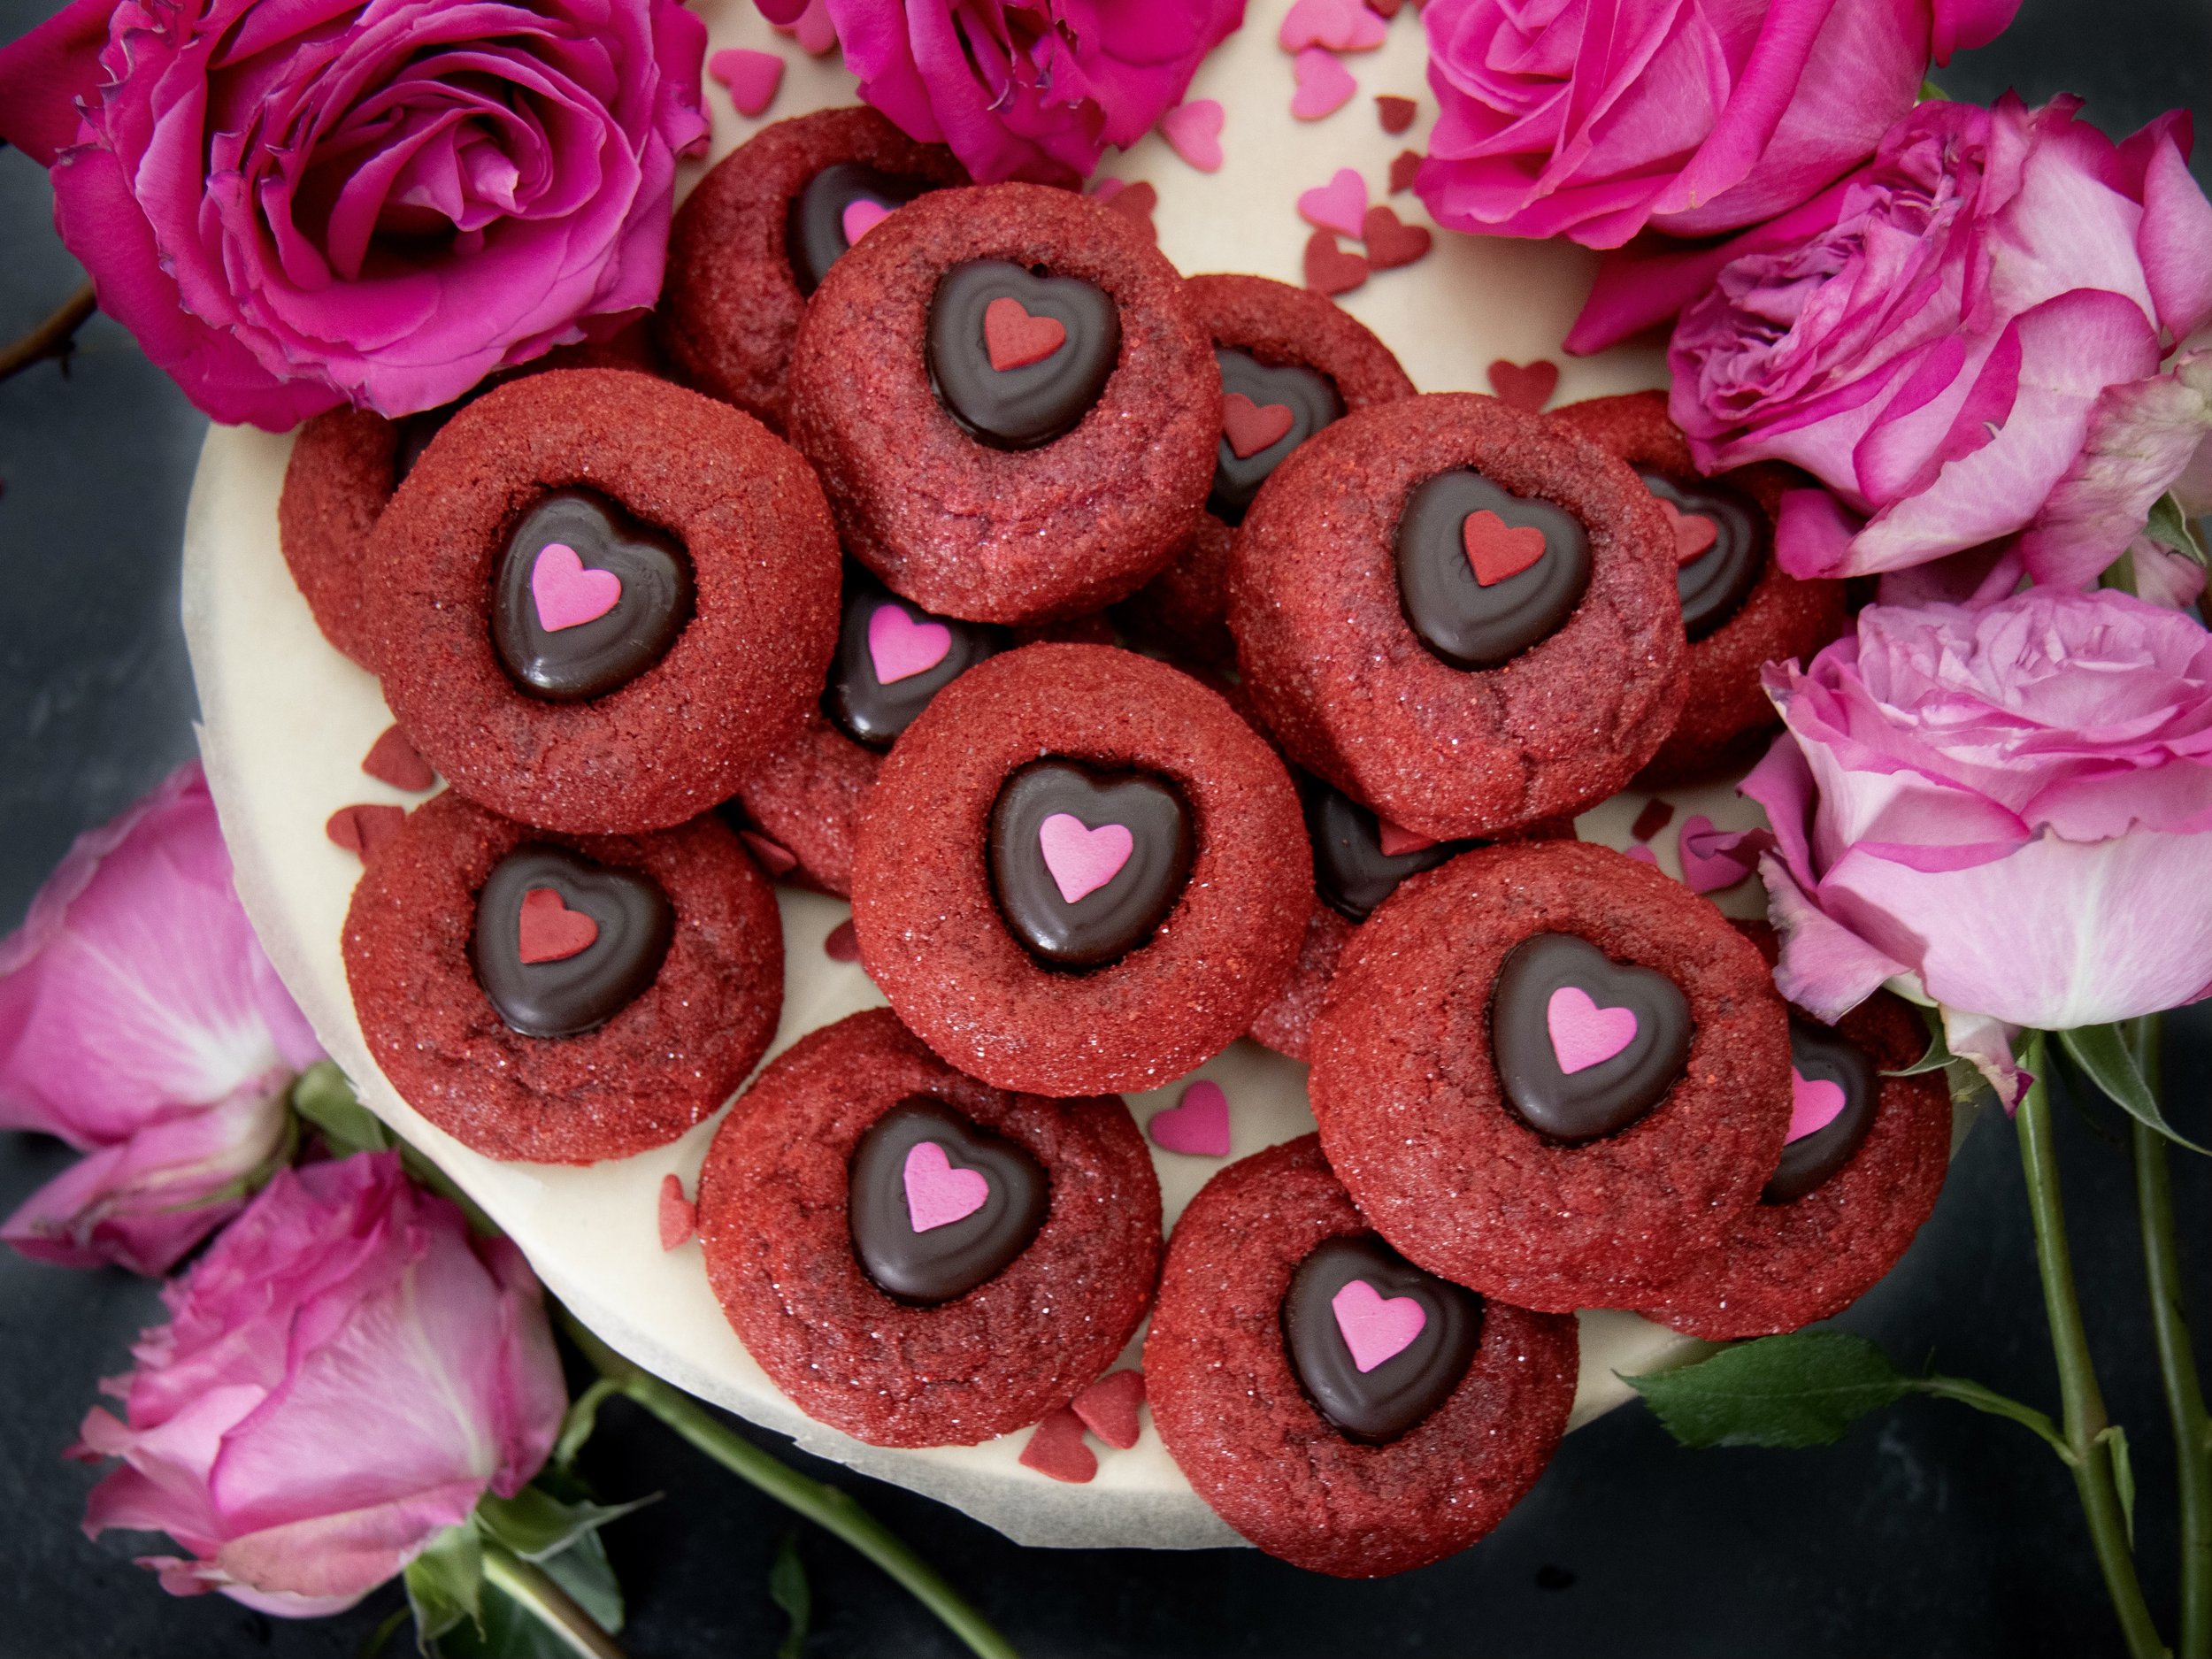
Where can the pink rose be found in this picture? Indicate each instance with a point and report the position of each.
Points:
(343, 1375)
(1593, 119)
(295, 205)
(1024, 88)
(1962, 341)
(140, 1022)
(2010, 804)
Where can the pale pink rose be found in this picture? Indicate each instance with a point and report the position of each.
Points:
(1594, 118)
(344, 1374)
(2011, 804)
(140, 1023)
(1024, 88)
(1962, 341)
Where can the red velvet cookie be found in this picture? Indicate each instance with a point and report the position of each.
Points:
(751, 242)
(1080, 871)
(1460, 613)
(1548, 1072)
(918, 1258)
(1292, 361)
(601, 600)
(557, 998)
(1010, 402)
(1740, 609)
(1276, 1399)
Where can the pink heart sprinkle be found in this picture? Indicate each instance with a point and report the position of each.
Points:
(1814, 1103)
(1082, 859)
(1643, 855)
(565, 594)
(1198, 1123)
(861, 217)
(1193, 131)
(1325, 86)
(679, 1217)
(937, 1194)
(1343, 25)
(901, 647)
(1376, 1328)
(1713, 859)
(752, 77)
(1397, 840)
(1582, 1034)
(1339, 204)
(816, 34)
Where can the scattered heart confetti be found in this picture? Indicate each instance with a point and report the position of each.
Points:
(1196, 1125)
(1527, 386)
(1081, 859)
(1108, 1408)
(1342, 25)
(1375, 1327)
(361, 830)
(1643, 855)
(1397, 840)
(1713, 859)
(1582, 1034)
(678, 1216)
(1193, 131)
(937, 1194)
(776, 859)
(1250, 427)
(1497, 550)
(1325, 85)
(1385, 8)
(1016, 338)
(1391, 242)
(1131, 200)
(1056, 1448)
(1339, 204)
(549, 930)
(1694, 531)
(1815, 1103)
(812, 26)
(842, 943)
(1655, 816)
(1404, 167)
(860, 217)
(392, 759)
(566, 593)
(900, 648)
(1395, 113)
(1330, 269)
(752, 77)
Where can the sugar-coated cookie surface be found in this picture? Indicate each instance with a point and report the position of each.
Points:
(336, 485)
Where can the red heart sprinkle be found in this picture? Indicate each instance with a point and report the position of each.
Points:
(1249, 426)
(1390, 244)
(550, 930)
(1385, 8)
(679, 1217)
(1395, 113)
(1135, 202)
(1498, 549)
(392, 759)
(1056, 1448)
(1329, 269)
(843, 944)
(1108, 1408)
(361, 830)
(1527, 386)
(1015, 338)
(1694, 531)
(1657, 815)
(1403, 166)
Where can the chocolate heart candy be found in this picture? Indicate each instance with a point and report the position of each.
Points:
(1713, 583)
(581, 991)
(814, 226)
(1463, 620)
(1085, 863)
(1819, 1056)
(1035, 399)
(1351, 871)
(1381, 1403)
(951, 1258)
(873, 709)
(1310, 396)
(569, 663)
(1583, 1045)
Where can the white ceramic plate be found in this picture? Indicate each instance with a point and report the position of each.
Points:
(288, 720)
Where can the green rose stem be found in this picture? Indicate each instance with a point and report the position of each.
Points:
(832, 1510)
(2177, 1364)
(2083, 1420)
(533, 1588)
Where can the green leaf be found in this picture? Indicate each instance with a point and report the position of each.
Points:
(1930, 93)
(1804, 1389)
(2170, 528)
(1939, 1055)
(788, 1589)
(324, 1099)
(537, 1525)
(445, 1584)
(582, 1418)
(2123, 1472)
(2104, 1057)
(510, 1630)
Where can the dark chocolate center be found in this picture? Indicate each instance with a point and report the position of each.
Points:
(883, 634)
(921, 1161)
(600, 940)
(1483, 573)
(1584, 1046)
(1271, 393)
(1018, 357)
(1715, 583)
(1087, 863)
(572, 550)
(1395, 1392)
(1822, 1056)
(814, 228)
(1351, 871)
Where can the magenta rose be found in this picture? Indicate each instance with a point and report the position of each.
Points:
(295, 205)
(344, 1374)
(140, 1023)
(2008, 807)
(1024, 88)
(1964, 340)
(1593, 118)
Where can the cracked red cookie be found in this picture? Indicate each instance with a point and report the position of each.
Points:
(558, 998)
(1283, 1396)
(751, 242)
(1292, 361)
(1054, 397)
(601, 600)
(1079, 870)
(1549, 1073)
(1740, 609)
(1460, 613)
(918, 1258)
